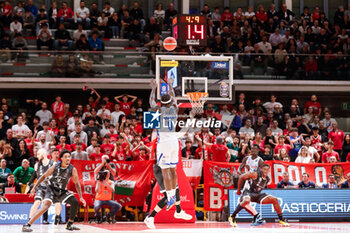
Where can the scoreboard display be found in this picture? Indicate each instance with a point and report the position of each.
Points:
(190, 30)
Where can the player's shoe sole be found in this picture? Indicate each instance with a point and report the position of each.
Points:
(149, 223)
(284, 224)
(182, 215)
(232, 222)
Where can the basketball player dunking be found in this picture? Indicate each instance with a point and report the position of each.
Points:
(57, 191)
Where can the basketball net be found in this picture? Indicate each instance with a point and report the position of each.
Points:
(197, 100)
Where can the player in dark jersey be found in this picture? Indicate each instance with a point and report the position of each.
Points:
(56, 191)
(251, 163)
(259, 181)
(40, 168)
(179, 213)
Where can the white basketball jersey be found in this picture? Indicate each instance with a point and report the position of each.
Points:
(253, 167)
(253, 163)
(167, 132)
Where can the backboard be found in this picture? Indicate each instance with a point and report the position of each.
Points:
(211, 74)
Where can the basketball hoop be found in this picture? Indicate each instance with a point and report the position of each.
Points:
(197, 100)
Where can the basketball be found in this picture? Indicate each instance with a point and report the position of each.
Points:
(170, 43)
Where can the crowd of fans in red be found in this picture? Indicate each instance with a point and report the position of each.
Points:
(114, 127)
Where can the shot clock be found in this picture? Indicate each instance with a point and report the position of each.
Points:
(190, 30)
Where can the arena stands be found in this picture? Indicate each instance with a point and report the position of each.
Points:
(271, 43)
(115, 124)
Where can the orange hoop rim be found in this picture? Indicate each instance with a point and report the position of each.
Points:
(196, 96)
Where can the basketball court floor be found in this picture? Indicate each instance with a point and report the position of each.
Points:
(199, 227)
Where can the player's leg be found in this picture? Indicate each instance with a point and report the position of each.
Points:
(164, 162)
(257, 220)
(167, 180)
(34, 208)
(39, 196)
(179, 213)
(174, 159)
(274, 201)
(45, 218)
(245, 200)
(249, 208)
(58, 209)
(44, 207)
(173, 178)
(149, 220)
(173, 182)
(74, 208)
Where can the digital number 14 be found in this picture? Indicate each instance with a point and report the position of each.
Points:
(197, 29)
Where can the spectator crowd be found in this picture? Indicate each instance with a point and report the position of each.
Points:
(297, 47)
(114, 127)
(311, 46)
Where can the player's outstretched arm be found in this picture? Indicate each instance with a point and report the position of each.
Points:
(172, 92)
(75, 178)
(152, 97)
(245, 176)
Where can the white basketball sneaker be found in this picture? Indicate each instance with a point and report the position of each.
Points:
(149, 221)
(182, 215)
